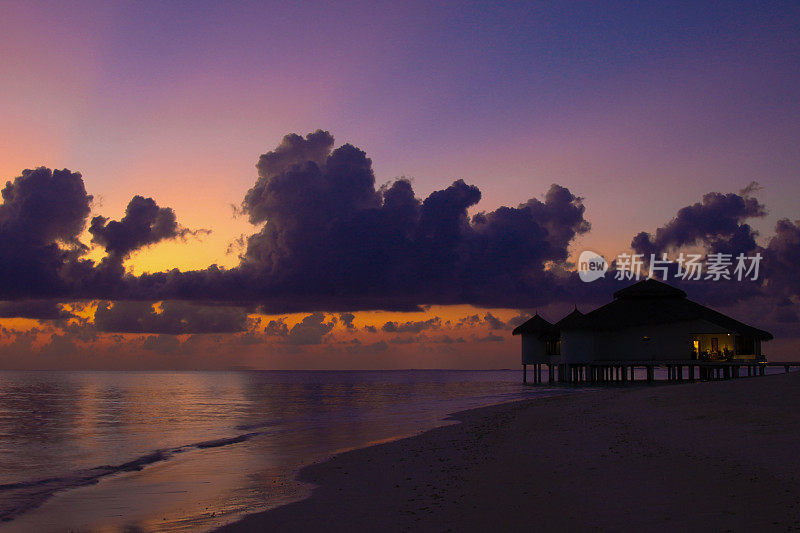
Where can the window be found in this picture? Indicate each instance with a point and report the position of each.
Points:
(745, 345)
(553, 347)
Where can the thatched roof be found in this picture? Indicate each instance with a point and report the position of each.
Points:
(650, 288)
(654, 302)
(533, 325)
(574, 320)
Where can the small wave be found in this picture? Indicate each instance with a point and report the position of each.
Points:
(225, 442)
(23, 496)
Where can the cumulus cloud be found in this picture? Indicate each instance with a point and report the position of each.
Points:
(144, 223)
(468, 321)
(412, 326)
(311, 330)
(347, 321)
(41, 217)
(782, 259)
(277, 328)
(169, 317)
(328, 240)
(495, 323)
(717, 222)
(331, 240)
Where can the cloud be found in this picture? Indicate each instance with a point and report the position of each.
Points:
(468, 321)
(357, 347)
(443, 339)
(144, 223)
(782, 259)
(161, 343)
(347, 321)
(277, 328)
(328, 240)
(412, 326)
(169, 317)
(491, 337)
(311, 330)
(41, 217)
(34, 309)
(404, 339)
(517, 320)
(494, 322)
(716, 222)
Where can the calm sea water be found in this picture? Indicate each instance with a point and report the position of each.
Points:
(180, 451)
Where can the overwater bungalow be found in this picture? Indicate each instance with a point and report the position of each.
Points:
(647, 321)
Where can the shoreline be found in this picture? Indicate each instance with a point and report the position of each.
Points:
(710, 455)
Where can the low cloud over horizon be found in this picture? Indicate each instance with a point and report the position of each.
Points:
(330, 243)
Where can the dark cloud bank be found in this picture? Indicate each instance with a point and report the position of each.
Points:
(329, 240)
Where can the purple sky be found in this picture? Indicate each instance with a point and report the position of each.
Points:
(639, 108)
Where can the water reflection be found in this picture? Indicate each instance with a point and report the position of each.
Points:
(70, 427)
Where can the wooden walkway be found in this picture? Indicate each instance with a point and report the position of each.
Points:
(604, 372)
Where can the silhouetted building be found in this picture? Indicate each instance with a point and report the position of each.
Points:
(648, 321)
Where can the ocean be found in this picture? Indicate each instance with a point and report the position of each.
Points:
(190, 451)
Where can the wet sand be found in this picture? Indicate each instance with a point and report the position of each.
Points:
(715, 456)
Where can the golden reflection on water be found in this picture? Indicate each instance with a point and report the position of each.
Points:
(54, 424)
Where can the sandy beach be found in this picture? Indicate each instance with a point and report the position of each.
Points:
(712, 456)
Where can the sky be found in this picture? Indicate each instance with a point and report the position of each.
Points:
(634, 110)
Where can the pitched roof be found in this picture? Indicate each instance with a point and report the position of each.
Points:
(535, 324)
(574, 320)
(654, 302)
(650, 288)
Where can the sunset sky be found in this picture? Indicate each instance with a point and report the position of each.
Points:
(635, 110)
